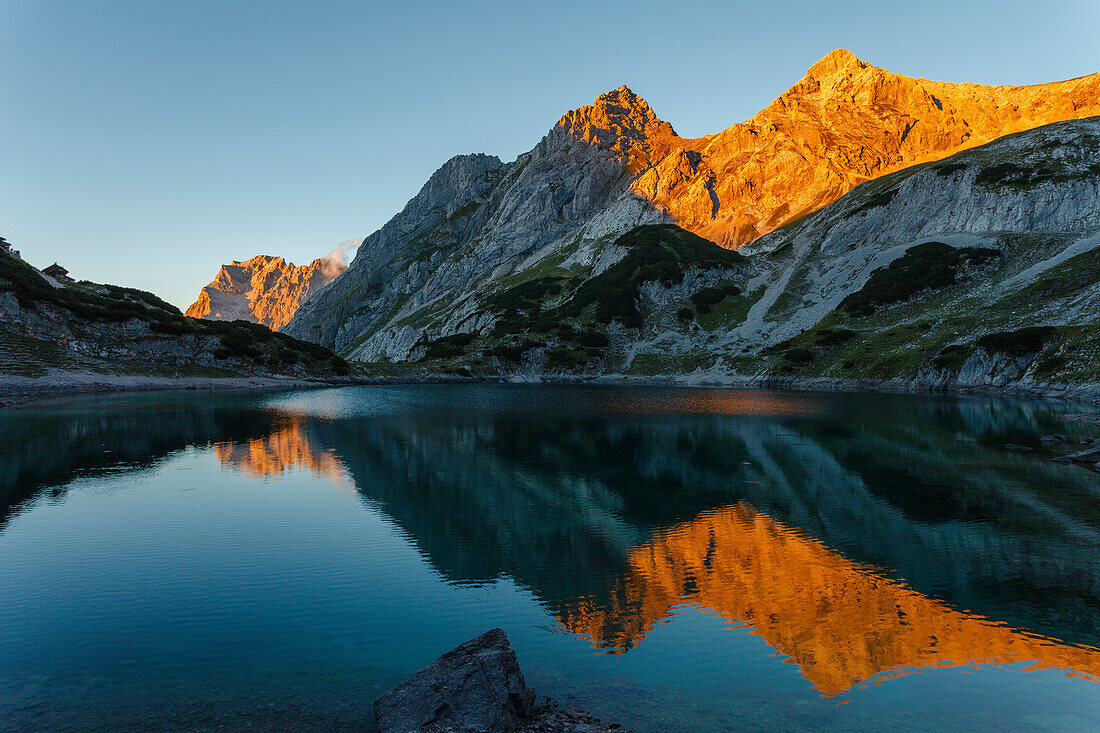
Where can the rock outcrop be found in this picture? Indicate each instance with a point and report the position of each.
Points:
(263, 289)
(479, 225)
(477, 687)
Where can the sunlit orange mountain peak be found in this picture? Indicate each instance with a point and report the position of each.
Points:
(622, 122)
(840, 621)
(263, 289)
(845, 122)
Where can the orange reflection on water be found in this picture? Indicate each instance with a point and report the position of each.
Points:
(839, 621)
(277, 453)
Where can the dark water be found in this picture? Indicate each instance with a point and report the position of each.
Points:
(676, 559)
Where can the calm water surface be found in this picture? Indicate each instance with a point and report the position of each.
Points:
(676, 559)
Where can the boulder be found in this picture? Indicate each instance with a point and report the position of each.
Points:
(1090, 455)
(475, 688)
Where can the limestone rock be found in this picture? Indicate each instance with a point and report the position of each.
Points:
(475, 688)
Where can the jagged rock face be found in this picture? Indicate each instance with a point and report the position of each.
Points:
(479, 225)
(843, 123)
(263, 289)
(394, 264)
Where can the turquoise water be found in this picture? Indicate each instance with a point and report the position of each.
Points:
(674, 559)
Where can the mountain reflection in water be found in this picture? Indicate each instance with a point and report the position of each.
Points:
(278, 452)
(860, 536)
(841, 622)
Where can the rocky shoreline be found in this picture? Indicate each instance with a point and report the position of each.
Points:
(16, 390)
(1085, 393)
(21, 390)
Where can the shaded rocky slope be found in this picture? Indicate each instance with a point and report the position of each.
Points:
(46, 326)
(479, 225)
(263, 289)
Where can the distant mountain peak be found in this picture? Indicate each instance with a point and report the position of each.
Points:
(264, 289)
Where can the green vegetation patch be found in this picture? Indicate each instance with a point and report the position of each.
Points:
(653, 364)
(448, 347)
(706, 298)
(521, 307)
(1065, 279)
(514, 352)
(832, 336)
(566, 359)
(945, 170)
(1018, 343)
(661, 253)
(876, 200)
(798, 355)
(952, 357)
(91, 302)
(925, 266)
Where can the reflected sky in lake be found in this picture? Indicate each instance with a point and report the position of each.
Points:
(679, 559)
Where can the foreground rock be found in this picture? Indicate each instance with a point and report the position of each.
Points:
(477, 687)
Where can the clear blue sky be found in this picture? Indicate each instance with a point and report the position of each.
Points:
(145, 143)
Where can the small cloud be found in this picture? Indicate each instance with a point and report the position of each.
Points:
(344, 252)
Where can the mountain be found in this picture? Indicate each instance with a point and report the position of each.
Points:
(981, 269)
(479, 227)
(263, 289)
(47, 327)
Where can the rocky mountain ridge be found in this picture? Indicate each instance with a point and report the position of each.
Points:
(845, 122)
(480, 226)
(979, 270)
(263, 289)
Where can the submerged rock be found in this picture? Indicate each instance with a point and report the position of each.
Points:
(477, 687)
(1090, 455)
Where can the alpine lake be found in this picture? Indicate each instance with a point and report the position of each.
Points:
(674, 559)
